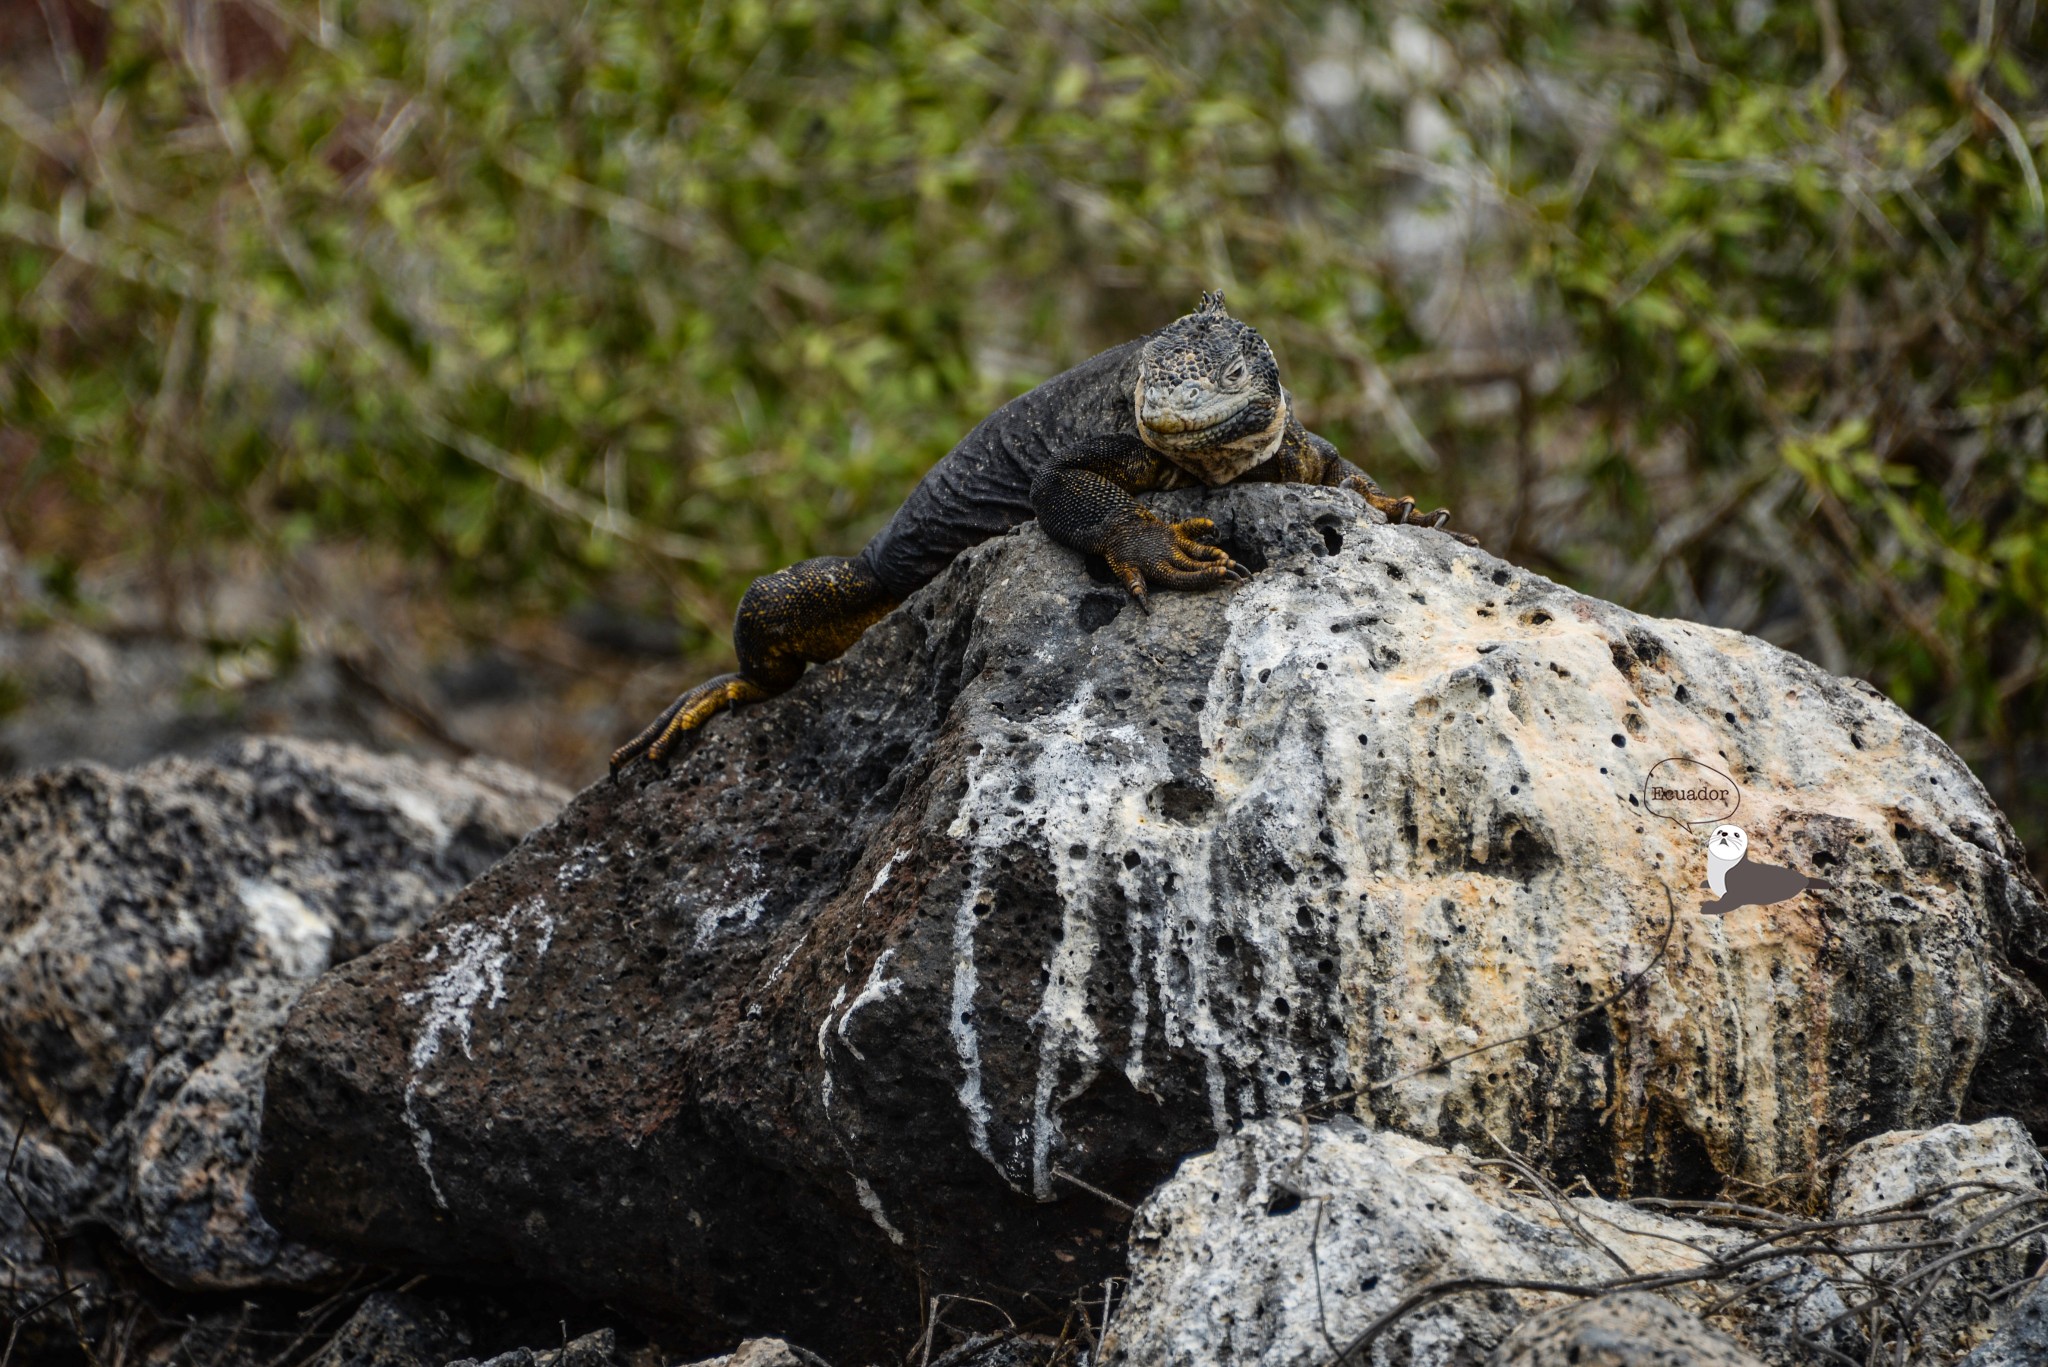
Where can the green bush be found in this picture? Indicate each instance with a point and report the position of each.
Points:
(1727, 310)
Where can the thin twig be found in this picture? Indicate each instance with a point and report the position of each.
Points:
(1124, 1206)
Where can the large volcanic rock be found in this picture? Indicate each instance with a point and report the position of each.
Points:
(154, 927)
(1034, 890)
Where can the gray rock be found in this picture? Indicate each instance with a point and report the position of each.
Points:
(598, 1349)
(1285, 1244)
(764, 1353)
(391, 1329)
(155, 926)
(49, 1288)
(1628, 1329)
(1032, 890)
(1982, 1185)
(2022, 1340)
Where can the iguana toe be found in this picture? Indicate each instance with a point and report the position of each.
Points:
(1401, 511)
(685, 715)
(1150, 550)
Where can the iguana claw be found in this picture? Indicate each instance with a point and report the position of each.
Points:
(1147, 549)
(1401, 511)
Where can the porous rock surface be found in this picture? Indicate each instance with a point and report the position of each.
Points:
(1285, 1244)
(392, 1329)
(155, 925)
(1032, 889)
(1982, 1185)
(763, 1353)
(2021, 1339)
(1627, 1329)
(596, 1349)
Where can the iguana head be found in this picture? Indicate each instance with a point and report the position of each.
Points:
(1209, 396)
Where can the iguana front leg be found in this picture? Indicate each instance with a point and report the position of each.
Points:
(1305, 458)
(794, 618)
(1083, 500)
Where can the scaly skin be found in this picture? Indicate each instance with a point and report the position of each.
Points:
(1197, 402)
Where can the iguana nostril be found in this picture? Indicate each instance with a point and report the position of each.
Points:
(1191, 393)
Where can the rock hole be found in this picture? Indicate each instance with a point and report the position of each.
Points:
(1500, 576)
(1183, 800)
(1333, 540)
(1098, 610)
(1244, 553)
(1130, 859)
(1283, 1201)
(1537, 618)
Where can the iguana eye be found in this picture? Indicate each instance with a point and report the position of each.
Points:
(1235, 375)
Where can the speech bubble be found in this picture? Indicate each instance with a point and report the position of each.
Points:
(1690, 793)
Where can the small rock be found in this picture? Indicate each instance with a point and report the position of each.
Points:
(391, 1329)
(1946, 1299)
(1282, 1246)
(1628, 1329)
(2022, 1341)
(598, 1349)
(765, 1353)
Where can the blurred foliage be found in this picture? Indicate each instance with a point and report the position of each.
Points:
(1721, 308)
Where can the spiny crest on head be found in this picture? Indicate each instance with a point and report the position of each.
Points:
(1212, 302)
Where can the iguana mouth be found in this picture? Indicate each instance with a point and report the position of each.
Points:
(1175, 418)
(1217, 440)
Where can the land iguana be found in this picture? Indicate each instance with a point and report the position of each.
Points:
(1198, 401)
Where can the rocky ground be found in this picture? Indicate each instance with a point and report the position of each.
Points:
(1289, 975)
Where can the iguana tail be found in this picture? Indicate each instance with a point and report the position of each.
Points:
(789, 620)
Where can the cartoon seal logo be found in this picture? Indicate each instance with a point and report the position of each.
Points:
(1739, 883)
(1692, 794)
